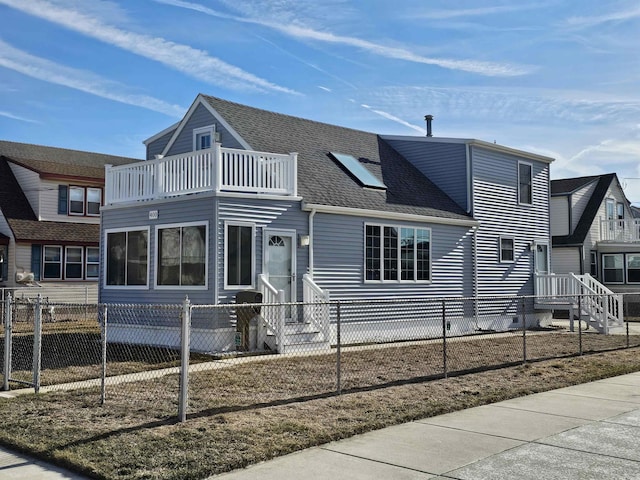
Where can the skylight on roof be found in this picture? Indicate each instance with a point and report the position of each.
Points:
(355, 168)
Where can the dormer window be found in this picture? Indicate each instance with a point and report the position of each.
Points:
(203, 137)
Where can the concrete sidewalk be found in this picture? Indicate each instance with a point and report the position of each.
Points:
(589, 431)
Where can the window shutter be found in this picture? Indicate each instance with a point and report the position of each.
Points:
(63, 199)
(36, 260)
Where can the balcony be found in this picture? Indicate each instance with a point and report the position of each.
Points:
(214, 170)
(620, 231)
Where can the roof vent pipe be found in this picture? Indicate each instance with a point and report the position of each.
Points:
(429, 119)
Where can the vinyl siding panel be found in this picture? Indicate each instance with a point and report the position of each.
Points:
(566, 260)
(339, 260)
(275, 214)
(560, 216)
(495, 193)
(157, 146)
(30, 183)
(445, 164)
(201, 117)
(579, 202)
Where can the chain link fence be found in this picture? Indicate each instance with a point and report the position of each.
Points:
(192, 359)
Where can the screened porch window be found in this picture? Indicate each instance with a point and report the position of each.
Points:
(397, 253)
(239, 255)
(182, 255)
(127, 258)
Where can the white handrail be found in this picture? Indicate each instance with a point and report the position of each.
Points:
(316, 305)
(274, 317)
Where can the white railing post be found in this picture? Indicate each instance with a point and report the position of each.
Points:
(293, 172)
(217, 163)
(185, 347)
(8, 327)
(280, 321)
(37, 343)
(108, 184)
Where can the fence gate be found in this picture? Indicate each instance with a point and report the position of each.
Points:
(21, 342)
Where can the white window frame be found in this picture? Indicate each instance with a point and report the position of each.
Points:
(604, 255)
(206, 255)
(87, 263)
(501, 250)
(626, 268)
(227, 286)
(44, 262)
(399, 280)
(593, 263)
(86, 194)
(199, 132)
(530, 165)
(106, 259)
(84, 201)
(66, 262)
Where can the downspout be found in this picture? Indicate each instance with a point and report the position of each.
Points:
(469, 179)
(216, 233)
(311, 215)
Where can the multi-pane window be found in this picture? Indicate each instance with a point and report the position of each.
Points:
(73, 263)
(127, 258)
(525, 179)
(92, 267)
(203, 138)
(397, 253)
(239, 255)
(52, 263)
(507, 249)
(613, 268)
(182, 255)
(83, 200)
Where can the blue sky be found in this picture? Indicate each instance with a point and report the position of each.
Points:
(558, 77)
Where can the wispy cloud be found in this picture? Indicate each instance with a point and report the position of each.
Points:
(473, 12)
(591, 21)
(324, 88)
(190, 61)
(393, 118)
(48, 71)
(16, 117)
(295, 30)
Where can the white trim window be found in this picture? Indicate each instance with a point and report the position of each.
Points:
(181, 259)
(127, 258)
(76, 200)
(507, 250)
(525, 183)
(52, 262)
(92, 263)
(239, 255)
(94, 200)
(73, 263)
(203, 137)
(84, 201)
(633, 267)
(613, 268)
(397, 254)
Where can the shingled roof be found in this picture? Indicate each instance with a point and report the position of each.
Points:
(321, 181)
(590, 211)
(53, 161)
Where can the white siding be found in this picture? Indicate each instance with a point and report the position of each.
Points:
(565, 260)
(579, 202)
(30, 183)
(560, 216)
(23, 257)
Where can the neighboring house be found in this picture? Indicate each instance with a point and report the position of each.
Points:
(236, 198)
(50, 200)
(594, 231)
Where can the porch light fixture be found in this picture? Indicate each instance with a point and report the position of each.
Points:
(304, 240)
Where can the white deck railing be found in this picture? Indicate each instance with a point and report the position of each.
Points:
(316, 305)
(620, 230)
(217, 169)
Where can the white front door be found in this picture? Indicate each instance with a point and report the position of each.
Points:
(280, 261)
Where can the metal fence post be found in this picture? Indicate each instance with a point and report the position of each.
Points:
(185, 345)
(8, 327)
(338, 351)
(444, 338)
(524, 331)
(626, 309)
(580, 324)
(37, 343)
(103, 380)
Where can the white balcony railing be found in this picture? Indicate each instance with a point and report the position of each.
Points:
(626, 230)
(217, 169)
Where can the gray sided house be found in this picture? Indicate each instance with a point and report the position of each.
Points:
(50, 200)
(595, 232)
(235, 198)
